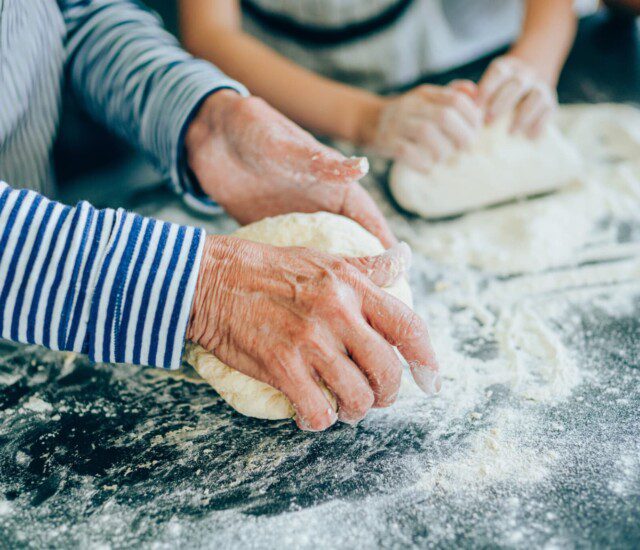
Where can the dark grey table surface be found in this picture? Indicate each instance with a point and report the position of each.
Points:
(104, 456)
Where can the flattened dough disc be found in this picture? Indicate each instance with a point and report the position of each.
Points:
(499, 167)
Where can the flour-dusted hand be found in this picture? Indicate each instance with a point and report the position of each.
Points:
(255, 163)
(510, 84)
(428, 124)
(292, 317)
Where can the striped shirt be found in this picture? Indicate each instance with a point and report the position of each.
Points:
(107, 283)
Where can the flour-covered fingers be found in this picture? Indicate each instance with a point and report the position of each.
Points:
(456, 127)
(350, 386)
(460, 95)
(403, 328)
(506, 98)
(540, 123)
(377, 359)
(494, 78)
(361, 208)
(327, 166)
(418, 158)
(314, 412)
(384, 270)
(453, 111)
(432, 139)
(527, 111)
(467, 87)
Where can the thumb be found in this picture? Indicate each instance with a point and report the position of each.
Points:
(384, 270)
(465, 86)
(335, 168)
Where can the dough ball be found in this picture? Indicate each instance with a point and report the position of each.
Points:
(499, 167)
(321, 231)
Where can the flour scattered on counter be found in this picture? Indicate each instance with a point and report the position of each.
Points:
(38, 405)
(494, 455)
(5, 508)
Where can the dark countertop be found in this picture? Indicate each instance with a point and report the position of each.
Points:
(99, 456)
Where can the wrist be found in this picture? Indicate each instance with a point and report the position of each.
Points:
(213, 254)
(547, 70)
(366, 119)
(210, 116)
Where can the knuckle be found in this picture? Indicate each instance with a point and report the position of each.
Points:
(411, 326)
(449, 96)
(332, 290)
(402, 150)
(389, 378)
(308, 335)
(279, 358)
(459, 101)
(340, 269)
(251, 104)
(446, 116)
(522, 80)
(364, 402)
(361, 403)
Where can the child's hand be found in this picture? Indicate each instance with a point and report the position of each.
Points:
(511, 84)
(428, 124)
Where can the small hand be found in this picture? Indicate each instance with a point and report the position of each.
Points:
(256, 163)
(428, 124)
(292, 317)
(511, 84)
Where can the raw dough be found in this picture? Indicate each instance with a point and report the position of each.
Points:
(499, 167)
(322, 231)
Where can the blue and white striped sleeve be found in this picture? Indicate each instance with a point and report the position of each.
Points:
(132, 75)
(107, 283)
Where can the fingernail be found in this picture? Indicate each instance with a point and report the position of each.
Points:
(304, 425)
(351, 422)
(361, 164)
(406, 254)
(429, 381)
(402, 253)
(396, 261)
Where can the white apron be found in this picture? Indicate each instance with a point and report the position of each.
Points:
(382, 44)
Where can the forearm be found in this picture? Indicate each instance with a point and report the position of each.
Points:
(319, 104)
(107, 283)
(548, 31)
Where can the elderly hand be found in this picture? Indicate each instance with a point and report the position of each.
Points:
(511, 84)
(255, 163)
(291, 317)
(428, 124)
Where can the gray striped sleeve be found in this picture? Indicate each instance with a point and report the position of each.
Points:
(132, 75)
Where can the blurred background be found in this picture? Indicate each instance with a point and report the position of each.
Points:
(93, 164)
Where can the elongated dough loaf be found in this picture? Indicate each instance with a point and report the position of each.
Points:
(499, 167)
(321, 231)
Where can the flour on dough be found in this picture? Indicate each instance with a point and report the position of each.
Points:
(321, 231)
(499, 167)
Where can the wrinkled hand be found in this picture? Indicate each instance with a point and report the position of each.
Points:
(511, 84)
(255, 163)
(291, 317)
(428, 124)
